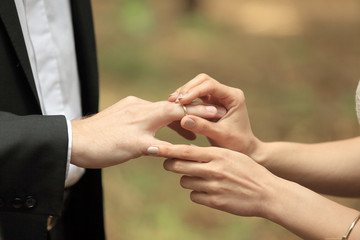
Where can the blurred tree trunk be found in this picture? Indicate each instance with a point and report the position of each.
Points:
(191, 5)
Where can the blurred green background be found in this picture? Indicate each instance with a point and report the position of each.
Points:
(298, 63)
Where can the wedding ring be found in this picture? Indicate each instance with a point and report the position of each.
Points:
(185, 110)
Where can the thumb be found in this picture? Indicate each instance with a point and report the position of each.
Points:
(200, 126)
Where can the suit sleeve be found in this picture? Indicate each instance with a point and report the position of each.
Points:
(33, 158)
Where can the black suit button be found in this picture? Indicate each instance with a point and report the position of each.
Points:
(2, 203)
(17, 203)
(30, 202)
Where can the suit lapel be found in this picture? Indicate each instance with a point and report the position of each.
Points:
(84, 42)
(86, 54)
(9, 16)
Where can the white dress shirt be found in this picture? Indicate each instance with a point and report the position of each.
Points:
(48, 33)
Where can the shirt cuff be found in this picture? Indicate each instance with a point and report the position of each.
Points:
(73, 173)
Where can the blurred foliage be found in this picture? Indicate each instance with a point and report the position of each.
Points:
(136, 17)
(299, 82)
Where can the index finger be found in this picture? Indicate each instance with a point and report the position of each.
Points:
(184, 152)
(179, 93)
(203, 86)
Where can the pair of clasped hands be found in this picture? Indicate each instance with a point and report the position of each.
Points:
(126, 130)
(235, 174)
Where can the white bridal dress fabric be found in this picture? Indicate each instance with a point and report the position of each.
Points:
(358, 101)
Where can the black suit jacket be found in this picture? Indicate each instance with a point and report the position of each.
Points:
(33, 148)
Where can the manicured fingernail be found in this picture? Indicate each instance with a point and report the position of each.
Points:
(181, 96)
(189, 123)
(172, 94)
(178, 98)
(153, 150)
(221, 111)
(211, 109)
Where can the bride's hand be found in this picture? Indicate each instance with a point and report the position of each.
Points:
(233, 130)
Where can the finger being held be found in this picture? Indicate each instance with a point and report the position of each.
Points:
(203, 110)
(167, 112)
(184, 152)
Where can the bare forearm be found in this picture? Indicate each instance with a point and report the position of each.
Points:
(331, 168)
(308, 214)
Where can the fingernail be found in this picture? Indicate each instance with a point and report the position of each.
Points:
(172, 94)
(178, 98)
(211, 109)
(153, 150)
(189, 123)
(181, 96)
(221, 111)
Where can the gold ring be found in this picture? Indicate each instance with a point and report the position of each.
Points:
(185, 109)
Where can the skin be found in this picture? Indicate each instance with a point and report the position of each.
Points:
(126, 129)
(232, 182)
(329, 167)
(248, 177)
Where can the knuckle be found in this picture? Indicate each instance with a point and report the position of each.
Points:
(217, 201)
(187, 150)
(240, 94)
(164, 150)
(168, 107)
(131, 99)
(203, 76)
(216, 172)
(218, 175)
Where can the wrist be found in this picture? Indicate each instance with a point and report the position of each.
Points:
(259, 152)
(306, 213)
(276, 197)
(272, 206)
(77, 148)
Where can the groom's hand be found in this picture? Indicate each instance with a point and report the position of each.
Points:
(126, 129)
